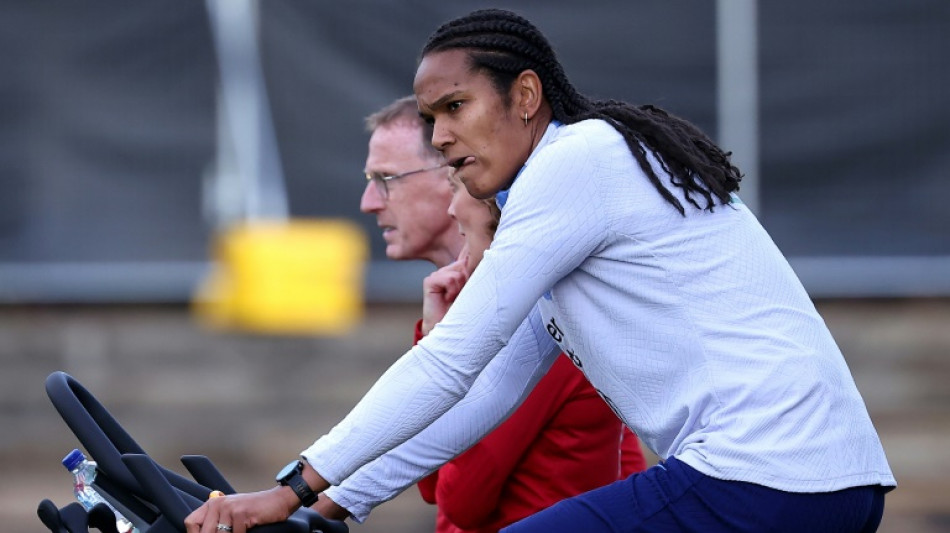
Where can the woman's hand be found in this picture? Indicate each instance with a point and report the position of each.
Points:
(243, 511)
(439, 290)
(239, 512)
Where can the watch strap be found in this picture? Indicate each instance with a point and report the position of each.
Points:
(303, 491)
(294, 479)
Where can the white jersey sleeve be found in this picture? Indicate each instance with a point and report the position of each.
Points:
(497, 392)
(532, 250)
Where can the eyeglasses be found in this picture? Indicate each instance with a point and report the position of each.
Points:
(381, 181)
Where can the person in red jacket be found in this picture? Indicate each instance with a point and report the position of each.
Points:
(563, 427)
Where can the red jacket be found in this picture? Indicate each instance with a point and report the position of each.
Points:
(562, 441)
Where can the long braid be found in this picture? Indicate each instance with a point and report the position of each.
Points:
(504, 44)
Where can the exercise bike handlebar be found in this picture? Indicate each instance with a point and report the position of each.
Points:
(153, 494)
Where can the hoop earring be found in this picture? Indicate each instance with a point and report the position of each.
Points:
(526, 118)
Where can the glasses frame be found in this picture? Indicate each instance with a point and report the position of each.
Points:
(381, 182)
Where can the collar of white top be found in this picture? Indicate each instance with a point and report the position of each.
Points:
(502, 196)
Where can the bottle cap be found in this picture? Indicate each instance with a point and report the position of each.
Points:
(72, 459)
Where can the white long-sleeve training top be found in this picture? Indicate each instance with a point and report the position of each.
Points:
(496, 393)
(693, 328)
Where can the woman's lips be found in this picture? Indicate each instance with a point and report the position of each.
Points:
(461, 162)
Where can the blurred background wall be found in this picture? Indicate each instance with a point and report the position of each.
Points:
(112, 193)
(109, 131)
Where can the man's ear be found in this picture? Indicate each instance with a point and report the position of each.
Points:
(529, 93)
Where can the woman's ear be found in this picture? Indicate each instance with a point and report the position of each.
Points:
(530, 93)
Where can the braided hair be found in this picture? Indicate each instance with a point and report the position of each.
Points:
(503, 44)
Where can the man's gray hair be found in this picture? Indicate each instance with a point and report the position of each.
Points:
(404, 110)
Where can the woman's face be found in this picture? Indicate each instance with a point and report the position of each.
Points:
(475, 221)
(485, 140)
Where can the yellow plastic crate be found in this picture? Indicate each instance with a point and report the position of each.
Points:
(302, 276)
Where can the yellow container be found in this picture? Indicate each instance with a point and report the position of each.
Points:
(302, 276)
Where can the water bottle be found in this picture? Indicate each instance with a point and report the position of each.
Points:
(84, 474)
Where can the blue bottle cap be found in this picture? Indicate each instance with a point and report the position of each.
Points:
(72, 459)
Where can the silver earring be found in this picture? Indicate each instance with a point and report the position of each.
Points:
(525, 118)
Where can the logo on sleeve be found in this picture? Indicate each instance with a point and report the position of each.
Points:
(558, 335)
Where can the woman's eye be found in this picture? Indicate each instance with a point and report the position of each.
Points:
(453, 106)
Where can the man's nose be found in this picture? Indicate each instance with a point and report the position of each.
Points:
(371, 201)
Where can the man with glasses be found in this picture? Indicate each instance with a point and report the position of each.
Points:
(407, 187)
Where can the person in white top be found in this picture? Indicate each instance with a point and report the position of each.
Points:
(622, 242)
(561, 426)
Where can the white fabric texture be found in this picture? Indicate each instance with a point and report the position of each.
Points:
(496, 393)
(694, 329)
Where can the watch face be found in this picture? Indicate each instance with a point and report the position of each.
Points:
(287, 471)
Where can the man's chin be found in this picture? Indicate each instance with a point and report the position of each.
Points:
(395, 253)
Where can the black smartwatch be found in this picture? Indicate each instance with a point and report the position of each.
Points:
(290, 476)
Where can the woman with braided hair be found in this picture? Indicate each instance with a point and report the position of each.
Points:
(623, 243)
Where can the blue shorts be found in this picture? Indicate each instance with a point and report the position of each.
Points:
(673, 497)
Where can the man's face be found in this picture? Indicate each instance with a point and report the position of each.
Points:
(414, 219)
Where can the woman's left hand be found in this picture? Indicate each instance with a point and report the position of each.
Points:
(237, 513)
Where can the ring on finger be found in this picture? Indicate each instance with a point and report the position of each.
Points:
(224, 527)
